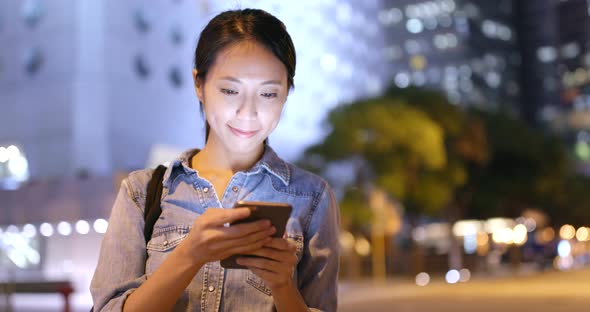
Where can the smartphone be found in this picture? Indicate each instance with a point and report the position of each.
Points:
(277, 213)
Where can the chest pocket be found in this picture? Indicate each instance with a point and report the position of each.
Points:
(162, 242)
(257, 282)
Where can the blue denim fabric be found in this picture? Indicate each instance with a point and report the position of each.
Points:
(313, 225)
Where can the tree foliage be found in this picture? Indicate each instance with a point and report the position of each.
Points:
(435, 157)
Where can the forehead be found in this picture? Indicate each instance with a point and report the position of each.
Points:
(248, 59)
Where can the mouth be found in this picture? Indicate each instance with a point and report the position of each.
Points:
(242, 133)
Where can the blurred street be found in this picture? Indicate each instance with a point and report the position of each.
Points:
(547, 292)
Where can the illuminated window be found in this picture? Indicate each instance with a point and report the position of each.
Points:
(344, 13)
(570, 50)
(448, 6)
(414, 25)
(430, 23)
(402, 80)
(390, 17)
(546, 54)
(418, 78)
(493, 79)
(445, 20)
(393, 53)
(495, 30)
(413, 47)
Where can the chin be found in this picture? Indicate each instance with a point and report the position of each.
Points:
(244, 146)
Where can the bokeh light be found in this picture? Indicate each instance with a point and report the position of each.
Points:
(567, 231)
(452, 276)
(46, 229)
(564, 248)
(582, 234)
(362, 246)
(82, 227)
(100, 226)
(422, 279)
(64, 228)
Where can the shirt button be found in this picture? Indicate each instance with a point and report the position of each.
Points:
(165, 243)
(235, 188)
(206, 190)
(211, 288)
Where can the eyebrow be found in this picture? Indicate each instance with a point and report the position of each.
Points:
(230, 78)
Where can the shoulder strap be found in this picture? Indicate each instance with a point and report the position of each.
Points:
(153, 196)
(152, 209)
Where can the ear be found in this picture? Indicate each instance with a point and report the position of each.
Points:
(198, 86)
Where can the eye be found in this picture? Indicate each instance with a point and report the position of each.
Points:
(269, 95)
(228, 91)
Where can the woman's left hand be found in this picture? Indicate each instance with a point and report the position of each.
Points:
(277, 265)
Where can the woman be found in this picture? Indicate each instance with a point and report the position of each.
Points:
(244, 69)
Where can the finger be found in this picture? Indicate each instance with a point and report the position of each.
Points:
(243, 248)
(246, 243)
(281, 256)
(242, 229)
(260, 228)
(222, 216)
(261, 263)
(264, 274)
(282, 244)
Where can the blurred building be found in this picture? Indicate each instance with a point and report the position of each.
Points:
(92, 86)
(467, 49)
(574, 74)
(531, 58)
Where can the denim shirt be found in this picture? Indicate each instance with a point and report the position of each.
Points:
(314, 225)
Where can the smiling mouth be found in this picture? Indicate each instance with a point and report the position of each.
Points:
(242, 133)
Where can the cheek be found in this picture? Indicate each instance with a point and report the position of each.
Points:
(272, 115)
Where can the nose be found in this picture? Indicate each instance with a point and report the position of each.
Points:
(247, 109)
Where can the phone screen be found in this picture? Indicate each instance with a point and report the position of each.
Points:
(277, 213)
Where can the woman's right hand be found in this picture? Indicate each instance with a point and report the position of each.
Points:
(210, 240)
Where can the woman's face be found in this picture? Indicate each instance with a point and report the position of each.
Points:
(243, 96)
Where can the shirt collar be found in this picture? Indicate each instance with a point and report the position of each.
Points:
(269, 161)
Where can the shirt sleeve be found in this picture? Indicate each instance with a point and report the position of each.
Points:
(121, 264)
(318, 268)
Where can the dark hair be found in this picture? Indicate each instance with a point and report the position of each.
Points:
(231, 27)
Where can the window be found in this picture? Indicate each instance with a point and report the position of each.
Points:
(175, 77)
(33, 61)
(32, 11)
(141, 67)
(142, 21)
(176, 35)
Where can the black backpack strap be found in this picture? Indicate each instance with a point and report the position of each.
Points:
(153, 196)
(152, 208)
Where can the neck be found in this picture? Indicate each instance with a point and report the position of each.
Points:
(218, 158)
